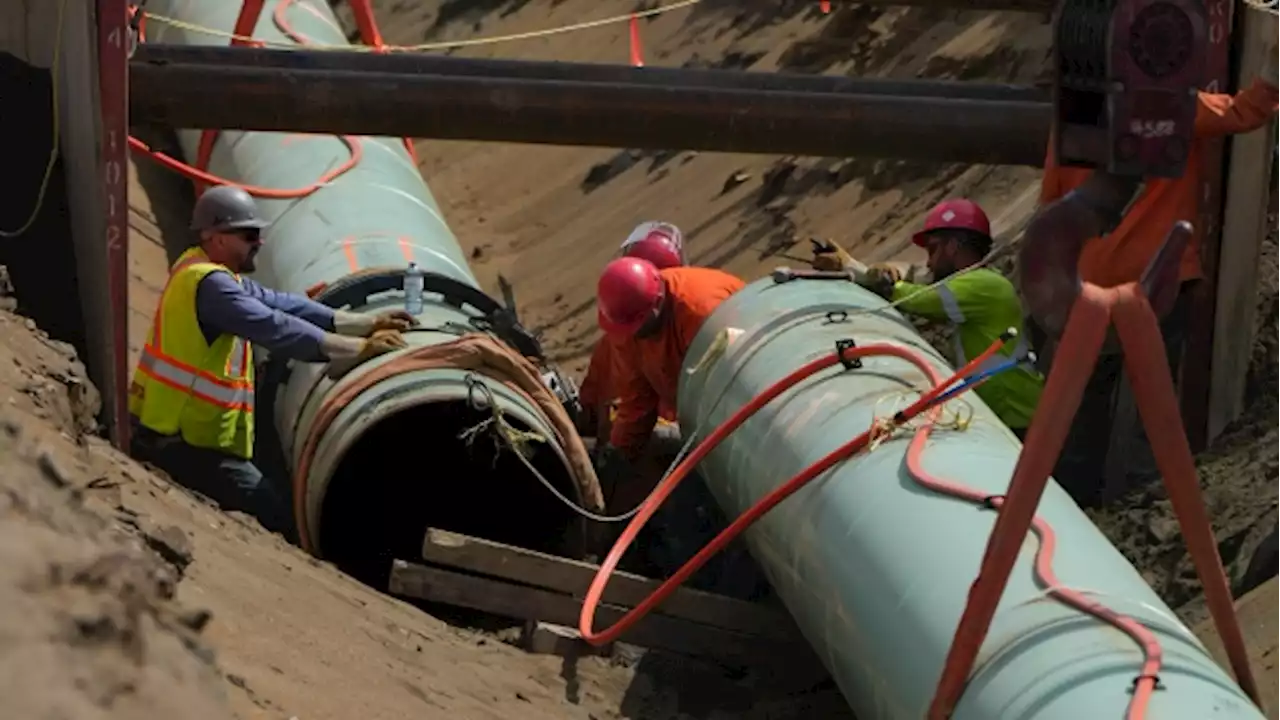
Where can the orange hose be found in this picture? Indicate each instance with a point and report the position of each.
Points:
(202, 177)
(664, 489)
(194, 174)
(1153, 654)
(1043, 569)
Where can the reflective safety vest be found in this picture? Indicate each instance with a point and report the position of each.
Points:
(183, 385)
(980, 305)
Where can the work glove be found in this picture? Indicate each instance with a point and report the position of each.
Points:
(381, 342)
(879, 279)
(830, 257)
(666, 439)
(882, 274)
(364, 325)
(343, 349)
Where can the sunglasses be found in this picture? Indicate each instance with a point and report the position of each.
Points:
(249, 235)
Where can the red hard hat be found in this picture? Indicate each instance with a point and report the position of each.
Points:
(957, 214)
(629, 292)
(657, 248)
(661, 243)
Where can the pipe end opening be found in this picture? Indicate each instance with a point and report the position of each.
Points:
(413, 470)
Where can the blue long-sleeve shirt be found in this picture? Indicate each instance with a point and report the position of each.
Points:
(285, 323)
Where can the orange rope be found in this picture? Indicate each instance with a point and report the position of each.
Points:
(196, 175)
(201, 177)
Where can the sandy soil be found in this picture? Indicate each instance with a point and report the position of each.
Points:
(135, 598)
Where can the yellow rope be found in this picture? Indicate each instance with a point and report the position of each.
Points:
(426, 47)
(55, 146)
(956, 414)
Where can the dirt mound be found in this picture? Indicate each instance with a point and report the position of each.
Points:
(89, 628)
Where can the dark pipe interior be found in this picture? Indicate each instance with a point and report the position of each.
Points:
(411, 471)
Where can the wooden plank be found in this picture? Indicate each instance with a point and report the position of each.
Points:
(655, 631)
(541, 638)
(1201, 316)
(573, 577)
(1256, 613)
(1252, 166)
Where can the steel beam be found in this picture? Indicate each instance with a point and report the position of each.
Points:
(424, 64)
(1029, 6)
(501, 101)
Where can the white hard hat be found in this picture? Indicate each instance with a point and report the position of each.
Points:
(645, 229)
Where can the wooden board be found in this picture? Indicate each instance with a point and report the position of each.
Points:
(572, 577)
(1256, 612)
(1252, 167)
(522, 602)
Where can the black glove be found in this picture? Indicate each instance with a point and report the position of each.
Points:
(613, 469)
(587, 421)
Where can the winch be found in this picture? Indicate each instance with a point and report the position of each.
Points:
(1126, 77)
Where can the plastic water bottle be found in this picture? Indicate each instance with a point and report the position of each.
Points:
(414, 281)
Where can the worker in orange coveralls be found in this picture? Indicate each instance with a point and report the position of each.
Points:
(1120, 257)
(663, 245)
(651, 316)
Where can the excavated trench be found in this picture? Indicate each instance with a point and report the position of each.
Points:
(40, 261)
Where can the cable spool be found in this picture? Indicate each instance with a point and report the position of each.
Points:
(1081, 36)
(1126, 74)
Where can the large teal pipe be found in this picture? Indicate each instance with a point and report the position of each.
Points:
(876, 570)
(366, 223)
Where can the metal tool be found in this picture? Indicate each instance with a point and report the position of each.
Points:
(785, 275)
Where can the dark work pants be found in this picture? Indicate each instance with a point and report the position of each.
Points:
(1083, 469)
(234, 483)
(688, 521)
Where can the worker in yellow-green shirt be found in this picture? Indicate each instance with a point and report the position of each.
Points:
(980, 304)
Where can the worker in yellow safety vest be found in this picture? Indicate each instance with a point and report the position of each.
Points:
(978, 302)
(192, 395)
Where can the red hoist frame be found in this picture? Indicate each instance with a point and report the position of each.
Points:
(114, 45)
(247, 21)
(1094, 311)
(1090, 312)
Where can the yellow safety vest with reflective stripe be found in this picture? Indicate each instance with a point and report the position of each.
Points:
(183, 385)
(980, 305)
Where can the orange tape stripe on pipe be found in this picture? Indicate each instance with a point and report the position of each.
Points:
(349, 249)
